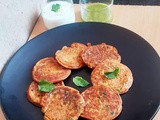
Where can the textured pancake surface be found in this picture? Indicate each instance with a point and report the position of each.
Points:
(63, 103)
(121, 83)
(93, 55)
(70, 57)
(35, 96)
(102, 103)
(50, 70)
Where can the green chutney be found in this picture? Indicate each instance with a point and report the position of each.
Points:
(96, 12)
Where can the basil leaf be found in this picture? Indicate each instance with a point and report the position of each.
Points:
(55, 7)
(79, 81)
(113, 74)
(45, 86)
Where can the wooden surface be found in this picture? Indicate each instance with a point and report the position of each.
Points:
(143, 20)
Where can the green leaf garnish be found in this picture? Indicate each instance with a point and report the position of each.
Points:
(113, 74)
(45, 86)
(56, 7)
(118, 90)
(112, 113)
(79, 81)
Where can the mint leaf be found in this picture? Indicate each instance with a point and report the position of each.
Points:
(113, 74)
(79, 81)
(118, 90)
(45, 86)
(56, 7)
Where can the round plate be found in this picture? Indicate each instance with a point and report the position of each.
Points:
(141, 102)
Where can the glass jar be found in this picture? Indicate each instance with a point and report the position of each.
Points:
(57, 12)
(96, 10)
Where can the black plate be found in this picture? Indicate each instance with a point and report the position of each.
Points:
(140, 103)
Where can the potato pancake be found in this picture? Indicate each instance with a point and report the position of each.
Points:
(70, 57)
(63, 103)
(102, 103)
(50, 70)
(121, 83)
(33, 94)
(93, 55)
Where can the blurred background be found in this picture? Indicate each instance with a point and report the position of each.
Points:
(133, 2)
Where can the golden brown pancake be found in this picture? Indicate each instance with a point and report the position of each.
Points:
(102, 103)
(63, 103)
(35, 96)
(70, 57)
(93, 55)
(121, 83)
(50, 70)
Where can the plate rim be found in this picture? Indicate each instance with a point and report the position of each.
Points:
(35, 38)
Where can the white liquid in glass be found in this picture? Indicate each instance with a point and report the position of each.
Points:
(64, 16)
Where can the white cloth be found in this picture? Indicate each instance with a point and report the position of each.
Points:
(17, 19)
